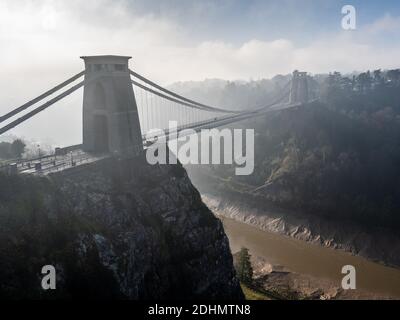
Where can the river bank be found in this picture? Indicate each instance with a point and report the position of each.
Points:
(301, 248)
(376, 245)
(295, 269)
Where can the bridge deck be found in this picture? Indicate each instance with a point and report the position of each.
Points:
(53, 163)
(76, 157)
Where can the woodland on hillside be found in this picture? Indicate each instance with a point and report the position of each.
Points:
(338, 157)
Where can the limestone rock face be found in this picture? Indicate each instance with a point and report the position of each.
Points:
(128, 230)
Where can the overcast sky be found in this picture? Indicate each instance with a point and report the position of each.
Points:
(178, 40)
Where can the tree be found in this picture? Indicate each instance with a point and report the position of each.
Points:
(393, 76)
(18, 148)
(243, 267)
(364, 81)
(5, 152)
(378, 78)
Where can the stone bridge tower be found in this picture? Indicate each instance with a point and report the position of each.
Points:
(110, 115)
(299, 89)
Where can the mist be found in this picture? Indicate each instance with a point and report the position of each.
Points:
(42, 41)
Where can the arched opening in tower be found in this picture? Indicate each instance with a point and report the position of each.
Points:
(101, 143)
(99, 97)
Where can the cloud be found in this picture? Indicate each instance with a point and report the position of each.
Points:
(49, 38)
(387, 23)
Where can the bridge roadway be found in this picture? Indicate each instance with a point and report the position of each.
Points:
(221, 121)
(52, 163)
(77, 157)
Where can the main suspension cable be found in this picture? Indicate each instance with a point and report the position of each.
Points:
(40, 108)
(176, 100)
(41, 97)
(191, 102)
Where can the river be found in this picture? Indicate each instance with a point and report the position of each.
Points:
(310, 259)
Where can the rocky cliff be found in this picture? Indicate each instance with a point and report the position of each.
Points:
(119, 228)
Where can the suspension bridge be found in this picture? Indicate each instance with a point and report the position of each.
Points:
(124, 112)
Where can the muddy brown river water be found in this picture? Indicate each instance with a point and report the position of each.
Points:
(306, 258)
